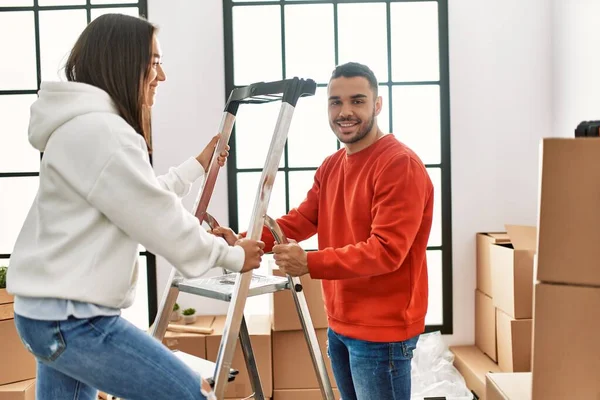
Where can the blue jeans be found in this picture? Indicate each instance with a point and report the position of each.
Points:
(76, 357)
(371, 370)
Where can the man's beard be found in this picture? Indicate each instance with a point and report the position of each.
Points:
(361, 134)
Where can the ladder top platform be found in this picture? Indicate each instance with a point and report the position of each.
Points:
(221, 287)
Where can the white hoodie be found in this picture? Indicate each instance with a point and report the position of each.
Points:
(98, 199)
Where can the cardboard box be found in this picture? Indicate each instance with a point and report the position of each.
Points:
(259, 328)
(485, 324)
(5, 297)
(514, 343)
(6, 311)
(566, 349)
(473, 365)
(508, 386)
(569, 211)
(292, 364)
(302, 394)
(190, 343)
(6, 305)
(24, 390)
(484, 272)
(512, 272)
(285, 315)
(17, 363)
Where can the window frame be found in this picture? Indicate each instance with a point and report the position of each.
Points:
(445, 166)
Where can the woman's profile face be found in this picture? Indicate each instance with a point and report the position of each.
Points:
(156, 74)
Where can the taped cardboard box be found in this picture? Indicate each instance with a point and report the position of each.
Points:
(569, 213)
(17, 363)
(473, 365)
(292, 364)
(485, 324)
(285, 315)
(512, 272)
(566, 349)
(508, 386)
(190, 343)
(6, 305)
(24, 390)
(484, 273)
(514, 343)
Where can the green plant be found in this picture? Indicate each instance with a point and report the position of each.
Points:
(189, 311)
(3, 277)
(176, 307)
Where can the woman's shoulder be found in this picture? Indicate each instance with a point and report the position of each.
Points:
(104, 129)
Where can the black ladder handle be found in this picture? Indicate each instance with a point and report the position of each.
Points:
(287, 90)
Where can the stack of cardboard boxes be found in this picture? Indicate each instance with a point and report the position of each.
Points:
(566, 358)
(17, 365)
(566, 350)
(294, 376)
(512, 297)
(566, 316)
(503, 307)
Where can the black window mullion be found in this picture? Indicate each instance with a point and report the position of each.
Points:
(336, 46)
(18, 174)
(447, 303)
(38, 61)
(150, 257)
(88, 10)
(286, 160)
(388, 22)
(232, 169)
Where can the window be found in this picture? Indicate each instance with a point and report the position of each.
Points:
(404, 42)
(42, 33)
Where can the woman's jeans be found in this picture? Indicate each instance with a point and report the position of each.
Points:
(77, 357)
(371, 370)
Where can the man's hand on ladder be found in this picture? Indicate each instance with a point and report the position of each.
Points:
(253, 251)
(291, 258)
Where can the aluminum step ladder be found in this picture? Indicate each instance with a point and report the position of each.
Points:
(235, 287)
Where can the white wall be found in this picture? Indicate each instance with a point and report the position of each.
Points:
(576, 64)
(500, 98)
(500, 78)
(190, 103)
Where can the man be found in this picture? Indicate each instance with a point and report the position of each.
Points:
(371, 204)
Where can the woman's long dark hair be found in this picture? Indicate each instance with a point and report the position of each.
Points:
(114, 53)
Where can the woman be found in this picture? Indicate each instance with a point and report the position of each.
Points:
(74, 264)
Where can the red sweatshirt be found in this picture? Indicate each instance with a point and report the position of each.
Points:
(372, 211)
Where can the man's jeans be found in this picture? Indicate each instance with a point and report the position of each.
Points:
(371, 370)
(78, 356)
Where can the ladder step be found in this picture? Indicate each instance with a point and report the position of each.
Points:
(221, 287)
(205, 368)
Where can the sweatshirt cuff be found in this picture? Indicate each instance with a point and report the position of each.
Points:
(191, 170)
(234, 259)
(314, 259)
